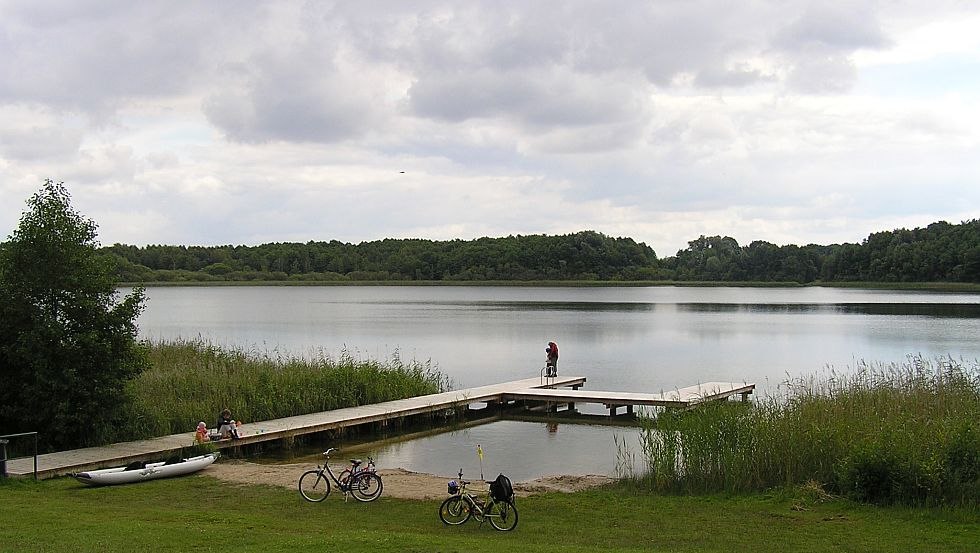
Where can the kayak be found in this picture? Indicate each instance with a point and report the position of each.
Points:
(139, 472)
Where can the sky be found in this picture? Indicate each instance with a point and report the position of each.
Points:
(246, 122)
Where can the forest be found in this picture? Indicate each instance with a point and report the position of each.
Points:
(940, 252)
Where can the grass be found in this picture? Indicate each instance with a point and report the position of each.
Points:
(905, 433)
(191, 381)
(203, 514)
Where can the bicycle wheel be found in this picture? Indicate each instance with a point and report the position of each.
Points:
(314, 486)
(366, 486)
(503, 515)
(343, 476)
(455, 510)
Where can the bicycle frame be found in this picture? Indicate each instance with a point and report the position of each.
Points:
(342, 486)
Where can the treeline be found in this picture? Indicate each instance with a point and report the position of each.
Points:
(581, 256)
(941, 252)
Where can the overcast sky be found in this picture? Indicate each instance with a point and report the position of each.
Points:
(240, 122)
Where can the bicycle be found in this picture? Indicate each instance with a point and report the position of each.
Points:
(354, 464)
(461, 505)
(364, 484)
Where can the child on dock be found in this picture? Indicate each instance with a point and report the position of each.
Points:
(201, 435)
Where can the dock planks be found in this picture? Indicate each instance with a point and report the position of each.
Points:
(552, 390)
(683, 397)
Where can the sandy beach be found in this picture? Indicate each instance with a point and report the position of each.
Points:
(398, 482)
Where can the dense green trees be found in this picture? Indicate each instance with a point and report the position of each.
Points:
(580, 256)
(67, 346)
(941, 252)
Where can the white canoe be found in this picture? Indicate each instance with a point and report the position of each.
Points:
(149, 471)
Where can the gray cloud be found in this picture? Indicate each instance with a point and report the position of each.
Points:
(91, 56)
(833, 27)
(38, 143)
(225, 121)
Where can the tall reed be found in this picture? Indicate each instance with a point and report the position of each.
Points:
(191, 381)
(904, 432)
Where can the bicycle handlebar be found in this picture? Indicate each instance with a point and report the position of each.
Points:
(329, 451)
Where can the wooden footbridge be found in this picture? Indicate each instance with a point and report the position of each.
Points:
(532, 391)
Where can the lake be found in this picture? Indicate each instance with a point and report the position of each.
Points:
(645, 339)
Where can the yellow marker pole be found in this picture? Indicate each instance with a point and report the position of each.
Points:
(479, 451)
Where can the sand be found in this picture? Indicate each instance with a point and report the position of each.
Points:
(398, 482)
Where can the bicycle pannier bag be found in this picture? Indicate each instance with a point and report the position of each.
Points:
(501, 488)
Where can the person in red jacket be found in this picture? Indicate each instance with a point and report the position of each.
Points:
(552, 361)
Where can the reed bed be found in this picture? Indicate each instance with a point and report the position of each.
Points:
(191, 381)
(906, 432)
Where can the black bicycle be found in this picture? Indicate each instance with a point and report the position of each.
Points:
(364, 483)
(497, 506)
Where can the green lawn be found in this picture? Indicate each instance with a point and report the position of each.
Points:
(200, 513)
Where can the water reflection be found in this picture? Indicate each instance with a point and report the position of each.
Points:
(939, 310)
(524, 450)
(519, 305)
(955, 310)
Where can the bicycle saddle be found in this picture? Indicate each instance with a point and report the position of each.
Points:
(355, 462)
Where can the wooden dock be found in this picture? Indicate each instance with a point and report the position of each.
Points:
(682, 398)
(552, 391)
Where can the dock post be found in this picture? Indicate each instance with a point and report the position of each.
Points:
(3, 457)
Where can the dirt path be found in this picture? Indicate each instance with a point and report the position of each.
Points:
(398, 482)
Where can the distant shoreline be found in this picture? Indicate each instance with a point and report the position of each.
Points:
(962, 287)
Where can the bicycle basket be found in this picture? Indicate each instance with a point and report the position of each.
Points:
(453, 487)
(501, 488)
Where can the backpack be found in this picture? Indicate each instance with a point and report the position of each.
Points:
(501, 489)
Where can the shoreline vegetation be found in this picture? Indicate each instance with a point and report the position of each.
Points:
(906, 433)
(191, 381)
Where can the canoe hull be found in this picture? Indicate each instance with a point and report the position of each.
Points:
(152, 471)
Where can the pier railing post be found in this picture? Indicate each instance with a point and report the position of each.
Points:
(3, 457)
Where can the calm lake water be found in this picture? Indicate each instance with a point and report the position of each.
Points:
(637, 339)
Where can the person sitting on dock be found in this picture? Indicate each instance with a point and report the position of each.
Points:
(552, 362)
(201, 435)
(226, 425)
